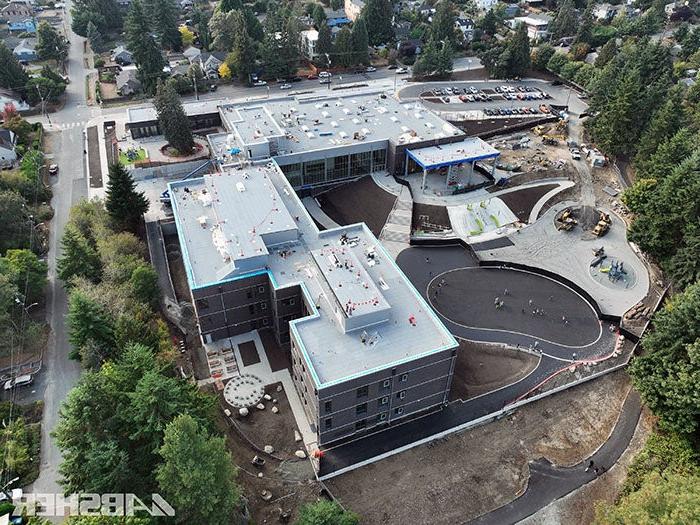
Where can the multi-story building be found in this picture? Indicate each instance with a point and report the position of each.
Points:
(309, 43)
(366, 349)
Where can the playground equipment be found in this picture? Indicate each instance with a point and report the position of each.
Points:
(600, 256)
(615, 271)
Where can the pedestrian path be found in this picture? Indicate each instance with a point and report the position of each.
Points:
(66, 125)
(396, 233)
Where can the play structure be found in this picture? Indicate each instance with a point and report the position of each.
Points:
(477, 218)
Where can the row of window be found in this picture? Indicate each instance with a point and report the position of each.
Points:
(342, 167)
(203, 303)
(363, 391)
(362, 423)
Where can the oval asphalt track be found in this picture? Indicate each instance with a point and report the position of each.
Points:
(533, 305)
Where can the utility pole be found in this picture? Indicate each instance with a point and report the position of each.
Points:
(43, 104)
(194, 82)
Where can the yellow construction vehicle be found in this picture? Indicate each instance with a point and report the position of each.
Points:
(603, 225)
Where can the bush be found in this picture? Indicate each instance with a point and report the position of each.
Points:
(99, 62)
(557, 62)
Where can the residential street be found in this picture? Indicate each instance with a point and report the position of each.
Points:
(59, 373)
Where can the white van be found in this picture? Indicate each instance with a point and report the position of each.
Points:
(19, 381)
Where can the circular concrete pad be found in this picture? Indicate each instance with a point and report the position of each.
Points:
(244, 391)
(532, 305)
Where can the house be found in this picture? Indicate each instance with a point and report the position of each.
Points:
(487, 5)
(122, 56)
(604, 12)
(337, 18)
(402, 29)
(7, 97)
(465, 26)
(25, 51)
(23, 26)
(192, 53)
(179, 70)
(511, 11)
(127, 82)
(186, 4)
(309, 41)
(353, 9)
(8, 141)
(537, 25)
(16, 12)
(210, 62)
(426, 10)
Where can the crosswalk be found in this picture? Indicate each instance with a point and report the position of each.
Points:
(66, 125)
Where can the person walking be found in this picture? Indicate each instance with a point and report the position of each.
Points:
(590, 466)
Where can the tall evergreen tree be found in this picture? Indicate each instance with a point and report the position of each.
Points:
(360, 42)
(197, 475)
(606, 53)
(226, 6)
(124, 204)
(164, 20)
(617, 128)
(89, 323)
(105, 14)
(242, 56)
(172, 118)
(143, 47)
(50, 45)
(223, 29)
(319, 16)
(12, 74)
(324, 46)
(95, 38)
(343, 52)
(518, 49)
(565, 21)
(378, 16)
(78, 258)
(200, 21)
(442, 28)
(584, 34)
(253, 26)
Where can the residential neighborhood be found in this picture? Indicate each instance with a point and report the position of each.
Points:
(290, 262)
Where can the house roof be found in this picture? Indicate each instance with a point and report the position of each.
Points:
(127, 76)
(25, 45)
(7, 138)
(119, 50)
(192, 52)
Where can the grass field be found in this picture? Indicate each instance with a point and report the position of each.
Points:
(140, 155)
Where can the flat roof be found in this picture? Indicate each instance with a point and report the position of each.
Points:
(469, 150)
(148, 112)
(231, 218)
(389, 321)
(252, 124)
(331, 120)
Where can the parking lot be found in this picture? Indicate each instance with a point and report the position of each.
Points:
(515, 94)
(479, 99)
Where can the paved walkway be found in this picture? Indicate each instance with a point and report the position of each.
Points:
(396, 233)
(318, 214)
(548, 483)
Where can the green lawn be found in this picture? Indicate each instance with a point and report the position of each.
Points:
(140, 155)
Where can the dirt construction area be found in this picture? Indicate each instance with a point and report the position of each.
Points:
(464, 475)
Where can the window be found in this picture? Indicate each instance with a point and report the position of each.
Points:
(263, 306)
(266, 322)
(202, 304)
(329, 423)
(398, 411)
(384, 400)
(363, 391)
(401, 395)
(328, 406)
(382, 416)
(379, 160)
(314, 171)
(361, 409)
(249, 293)
(261, 289)
(362, 423)
(404, 378)
(251, 308)
(387, 383)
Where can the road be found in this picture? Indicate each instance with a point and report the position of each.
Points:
(59, 373)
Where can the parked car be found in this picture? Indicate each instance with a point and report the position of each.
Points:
(402, 71)
(393, 66)
(473, 90)
(370, 69)
(296, 79)
(24, 380)
(53, 169)
(575, 154)
(325, 74)
(286, 86)
(213, 87)
(259, 83)
(324, 80)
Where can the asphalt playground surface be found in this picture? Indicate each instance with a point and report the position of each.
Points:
(472, 299)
